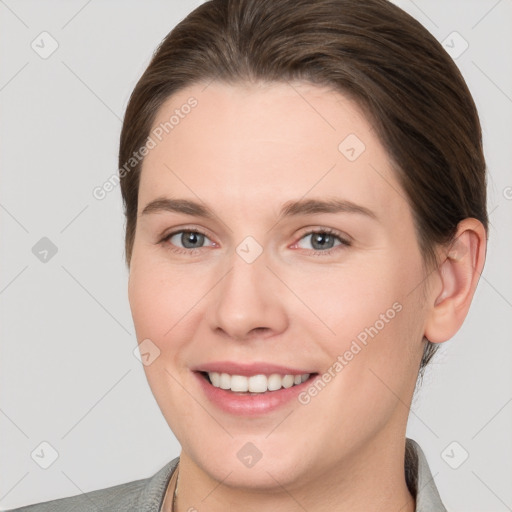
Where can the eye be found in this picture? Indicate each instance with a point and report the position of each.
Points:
(322, 240)
(187, 240)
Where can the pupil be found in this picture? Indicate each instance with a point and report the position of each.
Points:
(189, 240)
(324, 240)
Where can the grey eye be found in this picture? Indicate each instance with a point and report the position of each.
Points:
(320, 241)
(188, 239)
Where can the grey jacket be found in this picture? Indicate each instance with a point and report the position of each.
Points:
(147, 495)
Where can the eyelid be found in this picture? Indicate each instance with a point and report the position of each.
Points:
(165, 240)
(343, 237)
(180, 229)
(345, 241)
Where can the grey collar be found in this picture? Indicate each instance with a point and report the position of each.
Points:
(427, 495)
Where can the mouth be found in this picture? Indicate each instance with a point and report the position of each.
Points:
(255, 384)
(238, 397)
(251, 388)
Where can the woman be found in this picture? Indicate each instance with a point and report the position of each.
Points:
(305, 199)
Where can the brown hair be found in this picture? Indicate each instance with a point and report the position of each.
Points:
(372, 51)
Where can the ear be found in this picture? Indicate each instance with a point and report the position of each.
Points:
(456, 277)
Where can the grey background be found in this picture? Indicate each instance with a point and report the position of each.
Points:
(68, 375)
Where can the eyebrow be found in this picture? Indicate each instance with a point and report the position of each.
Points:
(289, 209)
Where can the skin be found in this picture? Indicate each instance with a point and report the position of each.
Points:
(245, 151)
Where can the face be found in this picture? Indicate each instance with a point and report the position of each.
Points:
(282, 244)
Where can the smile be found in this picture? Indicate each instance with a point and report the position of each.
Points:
(255, 384)
(251, 395)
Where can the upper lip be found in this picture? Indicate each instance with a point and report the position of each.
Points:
(248, 369)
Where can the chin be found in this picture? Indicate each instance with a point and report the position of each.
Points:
(242, 465)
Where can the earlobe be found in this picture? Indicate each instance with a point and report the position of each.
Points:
(458, 273)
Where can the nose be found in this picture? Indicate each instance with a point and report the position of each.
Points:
(249, 301)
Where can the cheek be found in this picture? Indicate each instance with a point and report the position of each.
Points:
(162, 307)
(148, 302)
(373, 356)
(166, 303)
(350, 299)
(375, 317)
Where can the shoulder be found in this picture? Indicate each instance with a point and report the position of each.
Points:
(423, 484)
(139, 495)
(119, 497)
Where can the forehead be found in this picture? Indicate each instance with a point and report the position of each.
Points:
(265, 144)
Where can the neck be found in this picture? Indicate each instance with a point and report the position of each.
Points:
(371, 479)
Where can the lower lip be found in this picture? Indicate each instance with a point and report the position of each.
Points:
(244, 404)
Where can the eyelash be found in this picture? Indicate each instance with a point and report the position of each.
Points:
(315, 252)
(326, 231)
(182, 250)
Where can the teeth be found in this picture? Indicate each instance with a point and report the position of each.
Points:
(274, 382)
(288, 381)
(255, 383)
(239, 383)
